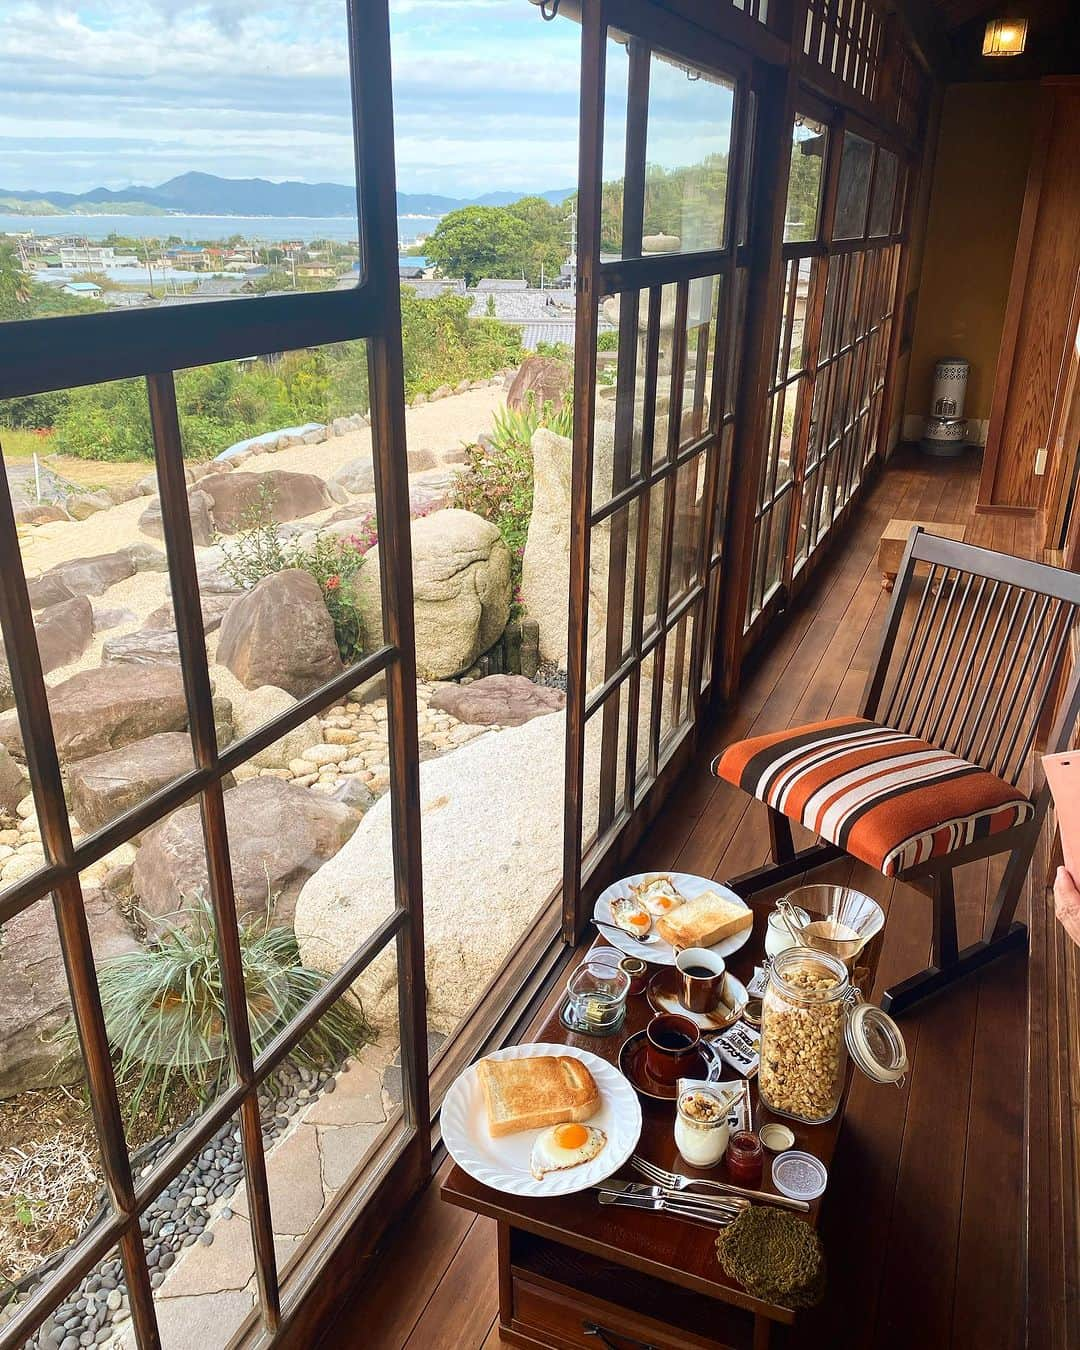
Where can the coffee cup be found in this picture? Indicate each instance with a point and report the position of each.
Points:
(704, 975)
(671, 1045)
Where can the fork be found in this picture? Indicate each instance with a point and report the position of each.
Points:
(674, 1181)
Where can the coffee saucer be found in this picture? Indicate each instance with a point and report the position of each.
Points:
(707, 1066)
(666, 986)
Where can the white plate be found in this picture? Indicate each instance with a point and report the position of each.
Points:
(661, 953)
(503, 1163)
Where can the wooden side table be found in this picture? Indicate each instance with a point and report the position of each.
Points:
(894, 539)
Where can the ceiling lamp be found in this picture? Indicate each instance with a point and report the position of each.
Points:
(1005, 37)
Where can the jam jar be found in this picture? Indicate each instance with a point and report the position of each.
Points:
(812, 1018)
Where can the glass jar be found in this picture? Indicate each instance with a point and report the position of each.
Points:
(701, 1126)
(745, 1159)
(778, 936)
(812, 1018)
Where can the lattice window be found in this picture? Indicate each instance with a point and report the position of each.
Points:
(845, 38)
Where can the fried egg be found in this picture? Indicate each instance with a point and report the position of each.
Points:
(658, 895)
(631, 916)
(567, 1145)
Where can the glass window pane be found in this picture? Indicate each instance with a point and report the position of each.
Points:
(243, 182)
(686, 175)
(881, 207)
(854, 188)
(808, 145)
(613, 168)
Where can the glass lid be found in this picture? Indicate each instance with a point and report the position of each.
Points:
(876, 1044)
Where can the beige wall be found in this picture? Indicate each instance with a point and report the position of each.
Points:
(980, 172)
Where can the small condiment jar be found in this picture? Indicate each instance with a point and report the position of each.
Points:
(778, 936)
(745, 1158)
(701, 1126)
(637, 972)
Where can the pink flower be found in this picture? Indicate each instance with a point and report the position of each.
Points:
(332, 583)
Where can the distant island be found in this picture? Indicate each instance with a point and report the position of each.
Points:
(204, 194)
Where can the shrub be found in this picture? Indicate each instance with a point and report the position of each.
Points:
(258, 551)
(608, 341)
(164, 1007)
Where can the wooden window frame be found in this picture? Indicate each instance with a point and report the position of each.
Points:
(46, 354)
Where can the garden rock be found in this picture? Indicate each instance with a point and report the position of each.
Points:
(279, 835)
(431, 491)
(357, 476)
(102, 709)
(283, 496)
(354, 794)
(64, 632)
(104, 786)
(104, 619)
(80, 576)
(461, 585)
(280, 633)
(545, 378)
(82, 505)
(482, 887)
(34, 999)
(421, 459)
(13, 787)
(39, 513)
(497, 700)
(200, 509)
(146, 559)
(253, 708)
(214, 608)
(147, 647)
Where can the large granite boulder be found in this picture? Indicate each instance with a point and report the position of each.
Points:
(431, 491)
(484, 883)
(497, 700)
(105, 708)
(82, 505)
(104, 786)
(80, 576)
(279, 835)
(64, 632)
(545, 571)
(200, 510)
(540, 380)
(13, 783)
(280, 633)
(146, 647)
(34, 999)
(253, 708)
(276, 495)
(461, 585)
(357, 476)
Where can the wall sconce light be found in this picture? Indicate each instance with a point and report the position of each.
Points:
(1005, 37)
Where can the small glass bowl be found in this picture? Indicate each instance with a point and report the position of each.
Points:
(596, 999)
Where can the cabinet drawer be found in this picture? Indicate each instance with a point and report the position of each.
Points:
(557, 1316)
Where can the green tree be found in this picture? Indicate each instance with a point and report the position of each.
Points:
(14, 286)
(548, 236)
(479, 241)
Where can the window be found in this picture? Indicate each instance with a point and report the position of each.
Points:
(853, 193)
(808, 146)
(209, 1006)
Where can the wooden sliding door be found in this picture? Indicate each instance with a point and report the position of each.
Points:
(667, 116)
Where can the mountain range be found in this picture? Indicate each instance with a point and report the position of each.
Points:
(204, 194)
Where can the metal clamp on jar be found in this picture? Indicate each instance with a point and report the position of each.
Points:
(812, 1019)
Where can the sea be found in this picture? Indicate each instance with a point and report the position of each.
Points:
(255, 229)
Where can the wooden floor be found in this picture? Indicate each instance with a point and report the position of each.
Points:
(924, 1221)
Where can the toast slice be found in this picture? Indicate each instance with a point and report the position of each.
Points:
(527, 1094)
(708, 918)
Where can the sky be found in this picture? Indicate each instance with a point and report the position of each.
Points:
(114, 92)
(110, 93)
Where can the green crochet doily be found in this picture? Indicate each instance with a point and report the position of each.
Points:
(775, 1256)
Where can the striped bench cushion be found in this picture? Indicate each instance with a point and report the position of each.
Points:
(886, 798)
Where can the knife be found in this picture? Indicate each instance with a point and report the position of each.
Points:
(733, 1193)
(717, 1217)
(640, 1191)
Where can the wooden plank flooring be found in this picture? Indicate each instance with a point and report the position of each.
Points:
(924, 1225)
